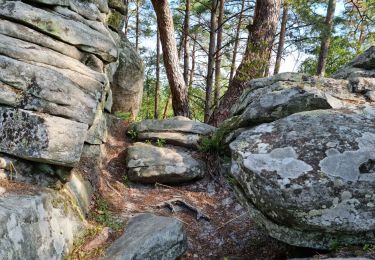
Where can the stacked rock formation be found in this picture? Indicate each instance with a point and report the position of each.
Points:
(176, 162)
(60, 61)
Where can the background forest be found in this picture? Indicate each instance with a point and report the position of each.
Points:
(212, 36)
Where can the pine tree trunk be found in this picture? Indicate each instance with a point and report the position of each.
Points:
(126, 18)
(326, 38)
(137, 26)
(193, 62)
(211, 61)
(236, 42)
(171, 63)
(186, 42)
(218, 52)
(280, 48)
(167, 105)
(157, 83)
(256, 58)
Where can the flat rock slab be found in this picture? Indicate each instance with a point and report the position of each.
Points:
(179, 131)
(40, 137)
(149, 164)
(180, 139)
(309, 178)
(148, 236)
(177, 124)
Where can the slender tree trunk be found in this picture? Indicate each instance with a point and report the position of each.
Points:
(137, 26)
(175, 78)
(192, 63)
(126, 18)
(218, 52)
(280, 48)
(211, 61)
(256, 58)
(167, 105)
(361, 38)
(326, 38)
(236, 42)
(157, 83)
(186, 42)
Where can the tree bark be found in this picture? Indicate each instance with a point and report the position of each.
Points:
(236, 42)
(137, 26)
(157, 83)
(186, 42)
(166, 105)
(326, 38)
(211, 61)
(256, 58)
(218, 52)
(168, 42)
(126, 18)
(280, 48)
(192, 63)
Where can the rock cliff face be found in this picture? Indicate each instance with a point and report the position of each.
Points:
(304, 160)
(58, 59)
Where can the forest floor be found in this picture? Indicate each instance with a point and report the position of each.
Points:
(228, 234)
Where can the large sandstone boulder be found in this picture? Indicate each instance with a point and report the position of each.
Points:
(361, 66)
(361, 74)
(149, 164)
(127, 85)
(309, 178)
(179, 131)
(36, 226)
(148, 236)
(269, 99)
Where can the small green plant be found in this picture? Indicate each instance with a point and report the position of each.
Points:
(125, 180)
(133, 133)
(103, 216)
(210, 144)
(126, 116)
(334, 245)
(161, 142)
(148, 141)
(215, 142)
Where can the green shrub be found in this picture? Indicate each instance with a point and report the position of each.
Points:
(161, 142)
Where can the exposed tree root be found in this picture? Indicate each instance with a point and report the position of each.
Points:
(180, 202)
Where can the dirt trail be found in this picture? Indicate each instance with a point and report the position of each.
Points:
(229, 232)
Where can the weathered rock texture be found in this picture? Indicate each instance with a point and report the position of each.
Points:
(179, 131)
(38, 226)
(57, 59)
(149, 164)
(269, 99)
(150, 237)
(308, 177)
(127, 85)
(320, 166)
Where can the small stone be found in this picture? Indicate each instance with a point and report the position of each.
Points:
(148, 236)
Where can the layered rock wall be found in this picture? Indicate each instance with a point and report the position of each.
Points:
(58, 59)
